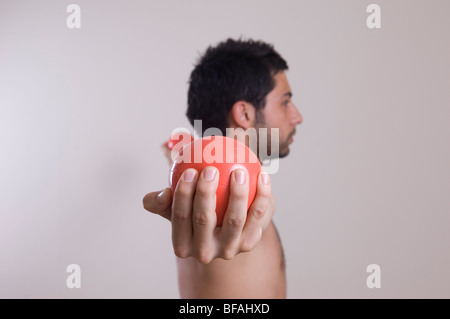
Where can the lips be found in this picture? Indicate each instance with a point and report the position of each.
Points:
(293, 133)
(291, 137)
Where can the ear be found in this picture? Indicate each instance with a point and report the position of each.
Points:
(242, 114)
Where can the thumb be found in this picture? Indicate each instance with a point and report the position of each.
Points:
(159, 203)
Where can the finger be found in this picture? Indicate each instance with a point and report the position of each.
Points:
(253, 227)
(182, 213)
(236, 214)
(164, 145)
(158, 203)
(167, 152)
(204, 215)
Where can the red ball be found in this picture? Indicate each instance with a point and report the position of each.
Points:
(227, 155)
(179, 139)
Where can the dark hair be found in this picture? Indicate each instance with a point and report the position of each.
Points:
(234, 70)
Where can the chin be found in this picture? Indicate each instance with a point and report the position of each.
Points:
(284, 154)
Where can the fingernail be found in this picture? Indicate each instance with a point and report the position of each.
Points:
(160, 197)
(239, 175)
(209, 173)
(265, 178)
(189, 175)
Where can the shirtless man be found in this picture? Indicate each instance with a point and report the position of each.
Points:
(236, 84)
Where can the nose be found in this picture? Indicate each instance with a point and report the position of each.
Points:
(296, 117)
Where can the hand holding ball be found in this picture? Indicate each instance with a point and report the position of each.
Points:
(227, 155)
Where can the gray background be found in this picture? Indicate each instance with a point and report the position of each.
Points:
(83, 112)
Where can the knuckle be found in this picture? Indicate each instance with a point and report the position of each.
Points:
(264, 192)
(181, 251)
(180, 217)
(247, 246)
(205, 189)
(258, 212)
(228, 254)
(183, 190)
(240, 193)
(239, 189)
(235, 222)
(200, 219)
(204, 257)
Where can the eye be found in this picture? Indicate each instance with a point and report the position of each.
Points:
(286, 102)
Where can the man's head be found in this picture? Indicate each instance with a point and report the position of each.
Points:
(242, 84)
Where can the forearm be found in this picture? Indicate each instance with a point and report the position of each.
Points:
(259, 273)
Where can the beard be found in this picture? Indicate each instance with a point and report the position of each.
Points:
(285, 153)
(280, 150)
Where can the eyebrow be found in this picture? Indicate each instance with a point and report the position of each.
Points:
(288, 94)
